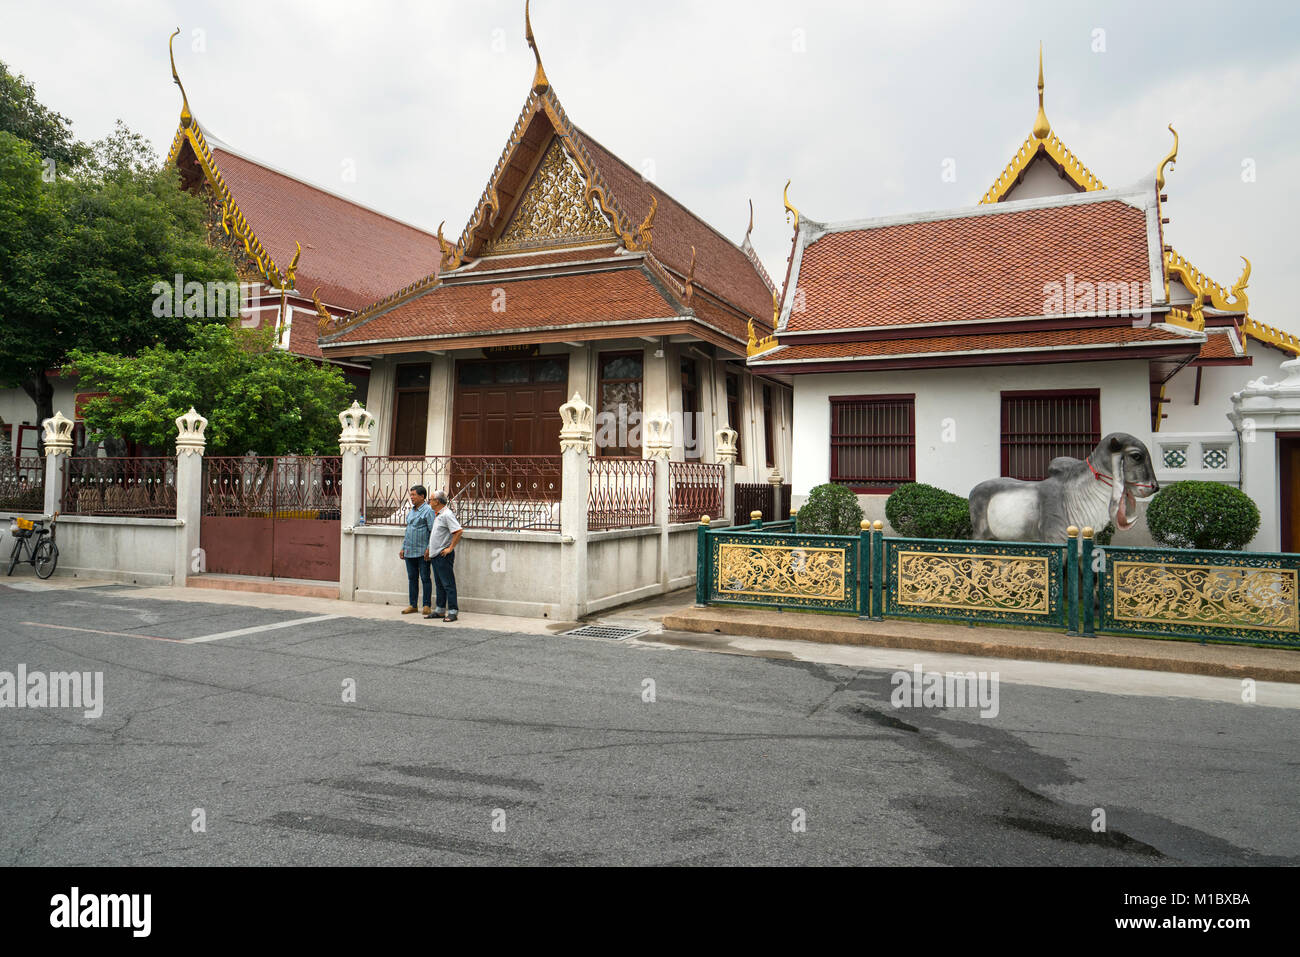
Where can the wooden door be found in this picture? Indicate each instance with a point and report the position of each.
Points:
(411, 415)
(1288, 453)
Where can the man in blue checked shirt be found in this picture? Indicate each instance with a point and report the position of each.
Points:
(415, 550)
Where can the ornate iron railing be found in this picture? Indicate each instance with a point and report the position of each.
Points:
(755, 567)
(491, 492)
(757, 497)
(1222, 596)
(1005, 582)
(622, 493)
(129, 487)
(694, 489)
(22, 484)
(281, 487)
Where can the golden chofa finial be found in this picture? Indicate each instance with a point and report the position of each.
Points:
(776, 310)
(788, 208)
(750, 228)
(1170, 160)
(540, 83)
(291, 272)
(1041, 126)
(186, 116)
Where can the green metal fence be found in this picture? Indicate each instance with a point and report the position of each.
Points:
(1074, 586)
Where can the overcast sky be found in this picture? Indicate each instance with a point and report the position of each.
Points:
(860, 104)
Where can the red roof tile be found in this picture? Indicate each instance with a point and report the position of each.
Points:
(720, 265)
(464, 308)
(977, 267)
(1218, 345)
(548, 258)
(881, 349)
(354, 254)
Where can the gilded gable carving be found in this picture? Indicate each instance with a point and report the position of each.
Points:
(554, 207)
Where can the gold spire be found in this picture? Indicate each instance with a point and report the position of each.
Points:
(540, 83)
(750, 228)
(186, 116)
(788, 208)
(1041, 126)
(1170, 160)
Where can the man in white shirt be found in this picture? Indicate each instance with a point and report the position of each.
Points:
(443, 539)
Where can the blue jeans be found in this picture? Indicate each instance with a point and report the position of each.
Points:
(444, 573)
(420, 567)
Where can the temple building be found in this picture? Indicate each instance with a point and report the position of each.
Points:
(953, 346)
(573, 275)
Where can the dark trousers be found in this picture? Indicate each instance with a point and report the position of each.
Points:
(444, 573)
(418, 567)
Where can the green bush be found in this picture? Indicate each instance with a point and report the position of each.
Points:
(916, 510)
(1202, 515)
(830, 510)
(1104, 536)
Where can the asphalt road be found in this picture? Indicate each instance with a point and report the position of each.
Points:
(466, 746)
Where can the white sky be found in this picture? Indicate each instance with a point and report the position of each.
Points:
(858, 104)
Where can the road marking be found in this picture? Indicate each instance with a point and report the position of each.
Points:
(257, 628)
(148, 617)
(100, 631)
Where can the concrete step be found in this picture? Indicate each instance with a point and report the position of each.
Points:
(300, 587)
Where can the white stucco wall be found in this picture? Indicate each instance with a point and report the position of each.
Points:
(140, 551)
(971, 398)
(1218, 383)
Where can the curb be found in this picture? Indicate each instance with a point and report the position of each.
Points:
(1146, 654)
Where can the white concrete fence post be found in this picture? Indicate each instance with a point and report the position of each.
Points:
(576, 434)
(190, 446)
(58, 447)
(725, 442)
(775, 478)
(659, 447)
(354, 443)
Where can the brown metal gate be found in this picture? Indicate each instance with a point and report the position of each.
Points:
(272, 516)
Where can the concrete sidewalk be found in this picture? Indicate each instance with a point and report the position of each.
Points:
(1185, 657)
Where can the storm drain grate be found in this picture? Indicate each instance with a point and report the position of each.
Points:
(608, 632)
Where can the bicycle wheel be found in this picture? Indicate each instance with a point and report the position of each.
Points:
(13, 556)
(46, 558)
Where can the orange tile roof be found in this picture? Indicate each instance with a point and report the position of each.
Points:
(465, 308)
(355, 255)
(977, 267)
(1030, 339)
(1218, 345)
(548, 258)
(720, 265)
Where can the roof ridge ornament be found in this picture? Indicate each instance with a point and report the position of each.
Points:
(750, 228)
(540, 83)
(186, 116)
(1041, 127)
(789, 208)
(289, 273)
(323, 317)
(1171, 160)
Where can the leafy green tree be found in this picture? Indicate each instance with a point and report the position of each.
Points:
(255, 397)
(80, 258)
(25, 117)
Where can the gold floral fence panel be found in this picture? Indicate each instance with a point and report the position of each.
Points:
(789, 571)
(1223, 596)
(1004, 582)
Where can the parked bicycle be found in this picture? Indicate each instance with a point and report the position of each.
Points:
(33, 540)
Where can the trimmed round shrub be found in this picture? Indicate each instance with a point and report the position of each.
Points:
(830, 510)
(916, 510)
(1202, 515)
(1104, 536)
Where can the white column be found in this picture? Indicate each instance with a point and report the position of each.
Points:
(725, 442)
(659, 446)
(354, 443)
(190, 446)
(575, 454)
(775, 479)
(58, 446)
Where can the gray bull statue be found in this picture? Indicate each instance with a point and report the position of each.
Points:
(1103, 487)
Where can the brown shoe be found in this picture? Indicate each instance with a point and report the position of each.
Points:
(426, 611)
(408, 610)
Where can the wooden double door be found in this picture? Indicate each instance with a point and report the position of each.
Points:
(509, 407)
